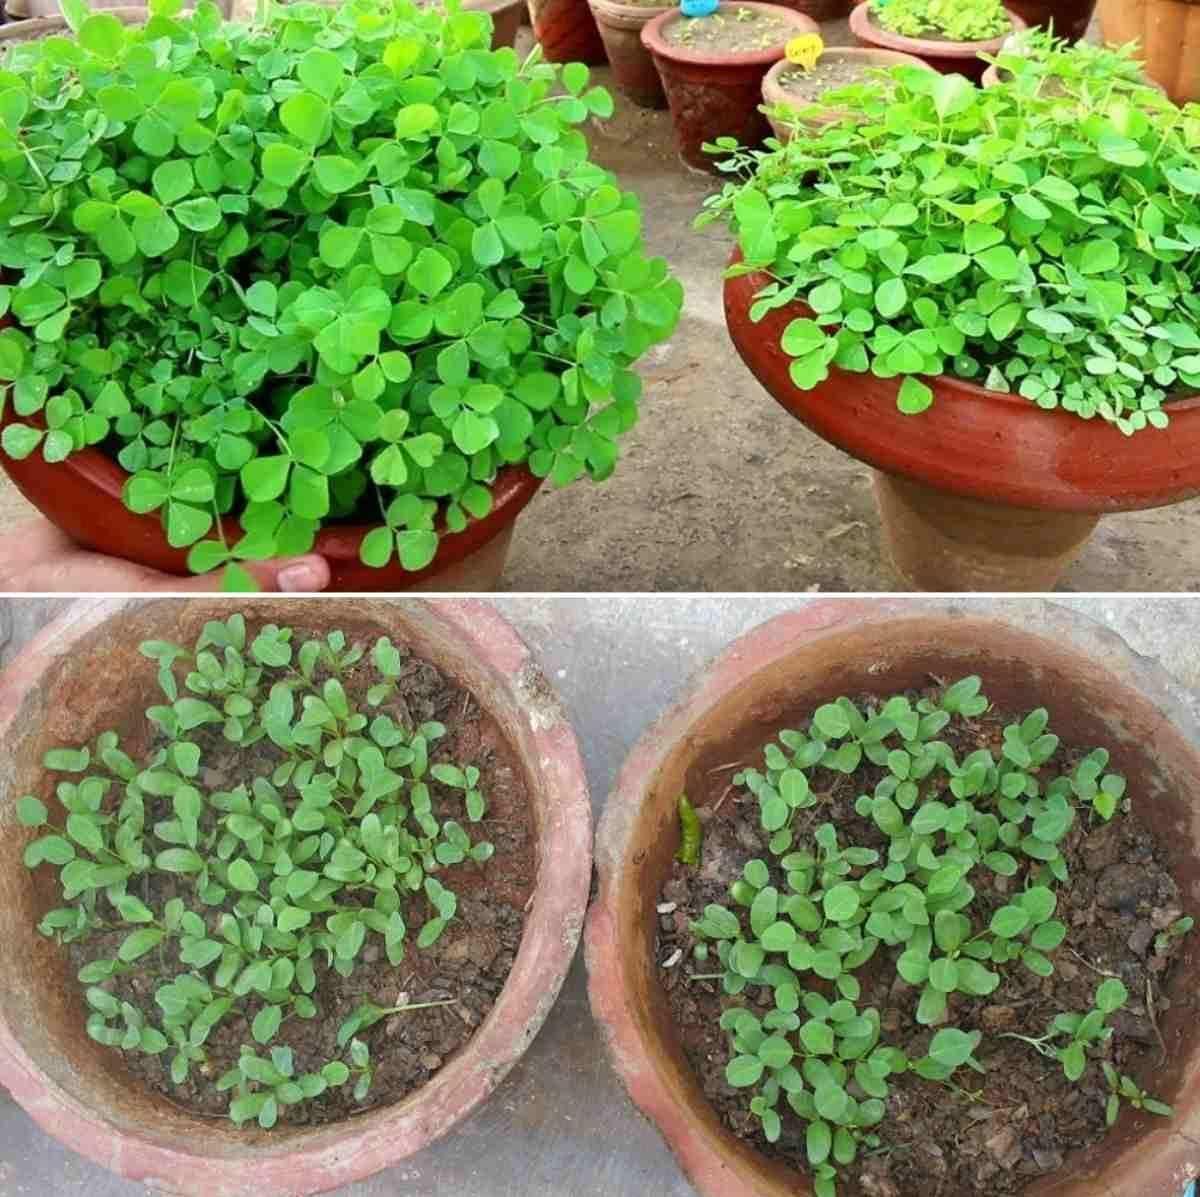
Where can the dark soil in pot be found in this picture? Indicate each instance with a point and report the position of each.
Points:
(466, 967)
(734, 31)
(1023, 1119)
(829, 74)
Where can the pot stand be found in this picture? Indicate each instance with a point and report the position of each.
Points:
(940, 541)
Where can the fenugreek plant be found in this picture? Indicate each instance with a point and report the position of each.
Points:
(1006, 236)
(285, 870)
(956, 20)
(344, 262)
(811, 913)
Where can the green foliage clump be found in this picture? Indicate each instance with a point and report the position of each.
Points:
(274, 875)
(1006, 236)
(344, 262)
(1064, 70)
(956, 20)
(818, 907)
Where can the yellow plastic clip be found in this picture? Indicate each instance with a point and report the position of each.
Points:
(805, 50)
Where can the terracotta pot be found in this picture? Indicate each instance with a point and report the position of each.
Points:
(773, 93)
(84, 674)
(82, 496)
(987, 490)
(1097, 692)
(566, 31)
(951, 58)
(1168, 37)
(633, 69)
(1068, 18)
(716, 95)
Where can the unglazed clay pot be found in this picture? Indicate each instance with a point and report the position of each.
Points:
(716, 95)
(951, 58)
(82, 496)
(633, 69)
(773, 93)
(1097, 692)
(984, 491)
(1068, 18)
(566, 31)
(84, 674)
(1168, 37)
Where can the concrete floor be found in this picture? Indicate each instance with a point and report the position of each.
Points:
(719, 489)
(560, 1123)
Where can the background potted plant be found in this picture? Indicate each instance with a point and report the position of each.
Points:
(1051, 66)
(712, 69)
(57, 1052)
(300, 336)
(633, 70)
(782, 675)
(566, 30)
(948, 34)
(1047, 389)
(795, 92)
(1166, 32)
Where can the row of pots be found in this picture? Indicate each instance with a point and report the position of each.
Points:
(654, 72)
(63, 687)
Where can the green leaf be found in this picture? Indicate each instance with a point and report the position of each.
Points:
(914, 396)
(306, 116)
(138, 943)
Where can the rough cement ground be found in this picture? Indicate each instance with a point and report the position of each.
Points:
(719, 489)
(560, 1125)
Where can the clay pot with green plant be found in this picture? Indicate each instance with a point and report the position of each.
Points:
(258, 350)
(1167, 33)
(836, 942)
(950, 35)
(712, 69)
(239, 851)
(795, 96)
(1091, 74)
(1005, 409)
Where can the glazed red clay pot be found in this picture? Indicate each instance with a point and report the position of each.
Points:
(985, 491)
(774, 94)
(84, 674)
(633, 69)
(1097, 692)
(1068, 18)
(716, 95)
(951, 58)
(82, 496)
(566, 31)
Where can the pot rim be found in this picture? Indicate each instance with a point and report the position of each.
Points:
(1044, 460)
(703, 1151)
(654, 41)
(873, 56)
(862, 26)
(512, 489)
(950, 380)
(630, 14)
(339, 1153)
